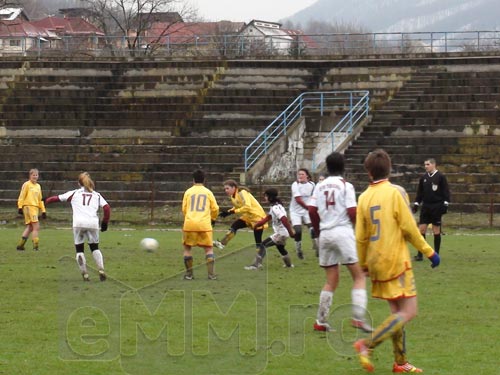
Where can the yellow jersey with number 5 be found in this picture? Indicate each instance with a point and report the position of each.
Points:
(384, 223)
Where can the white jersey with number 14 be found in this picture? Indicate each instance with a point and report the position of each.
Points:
(333, 197)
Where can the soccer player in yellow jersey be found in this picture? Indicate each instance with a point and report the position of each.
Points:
(250, 212)
(200, 209)
(383, 225)
(29, 205)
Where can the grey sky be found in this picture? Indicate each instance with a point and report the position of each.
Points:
(246, 10)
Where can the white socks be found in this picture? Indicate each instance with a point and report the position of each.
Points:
(325, 301)
(359, 302)
(98, 259)
(82, 262)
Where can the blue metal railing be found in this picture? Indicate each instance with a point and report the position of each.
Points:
(316, 101)
(358, 112)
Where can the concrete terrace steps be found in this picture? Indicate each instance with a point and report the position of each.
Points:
(244, 99)
(93, 123)
(254, 91)
(126, 141)
(100, 115)
(196, 155)
(452, 117)
(49, 176)
(116, 166)
(94, 107)
(214, 90)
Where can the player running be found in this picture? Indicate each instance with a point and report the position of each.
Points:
(85, 203)
(384, 224)
(282, 230)
(333, 213)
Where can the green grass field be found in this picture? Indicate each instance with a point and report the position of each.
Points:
(146, 320)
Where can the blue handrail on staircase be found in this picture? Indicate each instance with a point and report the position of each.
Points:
(319, 101)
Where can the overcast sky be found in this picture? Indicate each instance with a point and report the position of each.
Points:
(247, 10)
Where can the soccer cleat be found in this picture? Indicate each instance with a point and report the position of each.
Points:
(188, 276)
(362, 325)
(364, 355)
(253, 267)
(323, 327)
(406, 368)
(218, 244)
(419, 257)
(86, 277)
(102, 275)
(20, 248)
(288, 266)
(35, 248)
(212, 277)
(300, 254)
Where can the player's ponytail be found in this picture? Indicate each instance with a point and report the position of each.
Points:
(85, 181)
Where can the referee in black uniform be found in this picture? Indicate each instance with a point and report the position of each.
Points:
(433, 196)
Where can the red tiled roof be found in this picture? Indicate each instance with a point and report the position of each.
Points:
(21, 29)
(185, 32)
(68, 26)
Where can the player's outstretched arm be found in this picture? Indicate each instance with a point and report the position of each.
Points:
(53, 199)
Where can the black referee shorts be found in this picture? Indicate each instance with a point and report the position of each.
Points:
(431, 214)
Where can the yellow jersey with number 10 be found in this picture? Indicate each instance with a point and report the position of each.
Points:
(199, 208)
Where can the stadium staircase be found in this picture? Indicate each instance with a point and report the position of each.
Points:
(141, 127)
(448, 113)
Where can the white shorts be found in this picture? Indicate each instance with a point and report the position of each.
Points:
(279, 239)
(82, 234)
(337, 245)
(297, 219)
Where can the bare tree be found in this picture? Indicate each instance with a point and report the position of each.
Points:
(131, 19)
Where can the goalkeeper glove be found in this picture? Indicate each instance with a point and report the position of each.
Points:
(435, 260)
(20, 211)
(44, 215)
(104, 226)
(415, 208)
(226, 213)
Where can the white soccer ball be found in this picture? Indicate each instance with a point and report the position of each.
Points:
(149, 244)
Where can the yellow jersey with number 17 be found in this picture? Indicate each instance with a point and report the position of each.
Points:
(384, 223)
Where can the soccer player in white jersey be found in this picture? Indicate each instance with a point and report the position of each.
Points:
(333, 214)
(85, 203)
(281, 227)
(302, 190)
